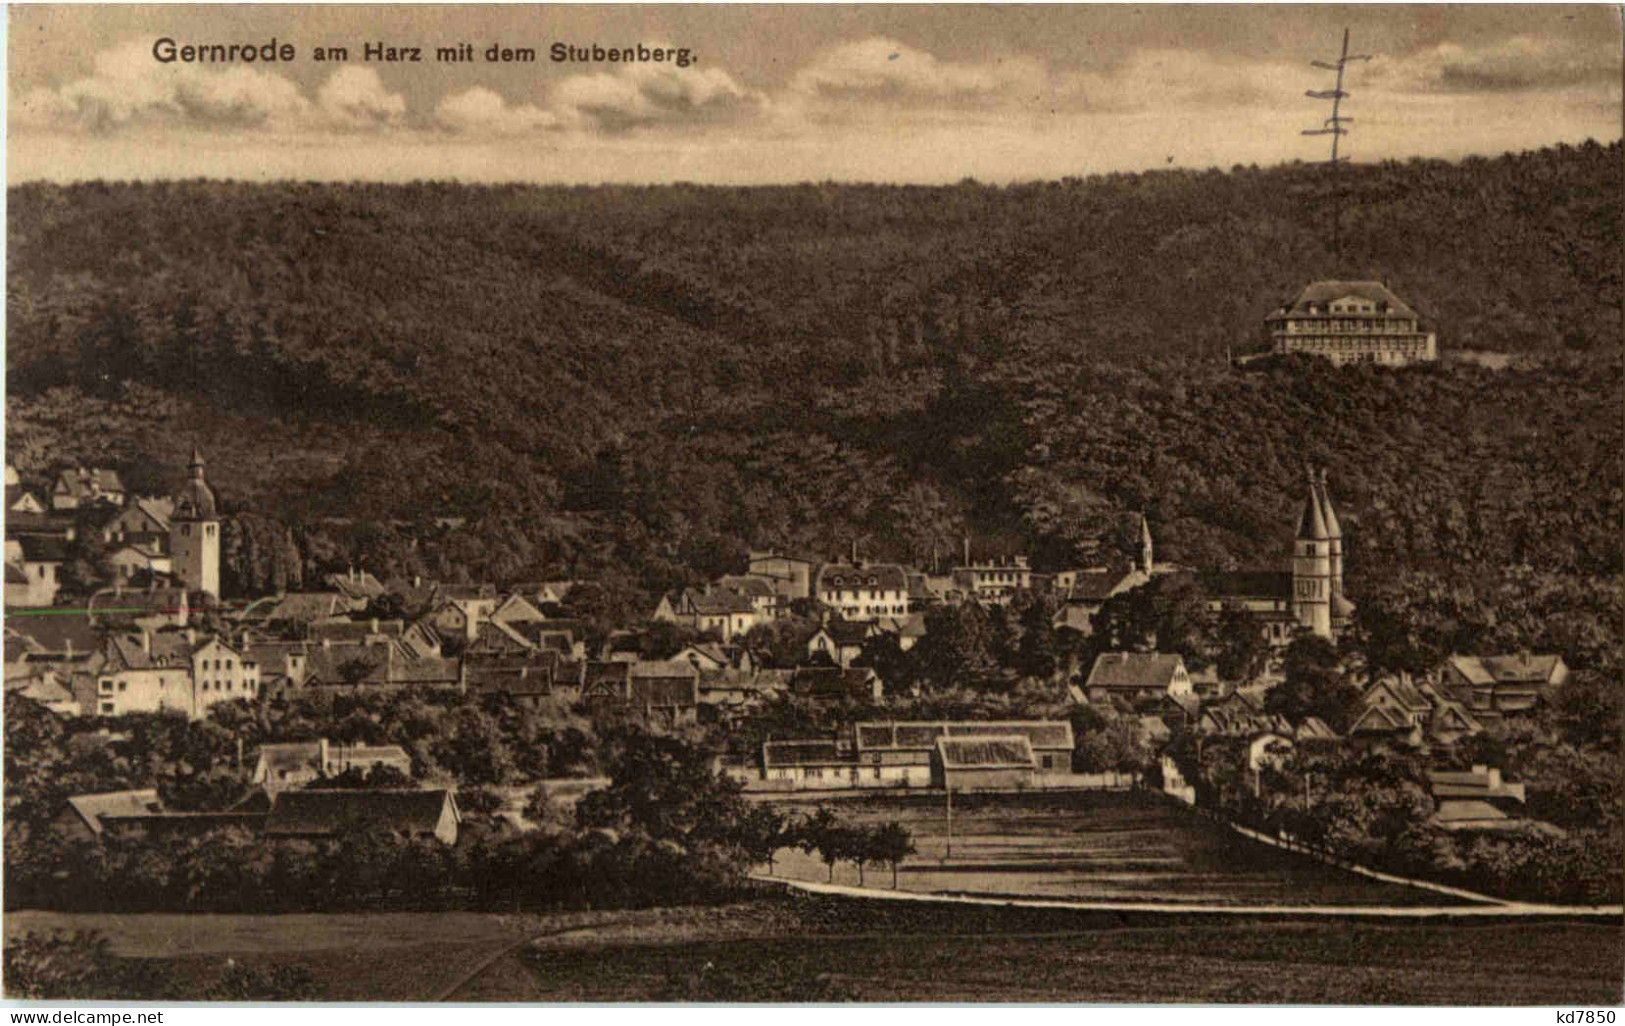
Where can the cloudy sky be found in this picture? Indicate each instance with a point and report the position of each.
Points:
(776, 94)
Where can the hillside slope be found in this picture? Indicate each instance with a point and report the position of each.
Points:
(652, 378)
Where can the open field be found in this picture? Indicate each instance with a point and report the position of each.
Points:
(1113, 846)
(793, 946)
(810, 948)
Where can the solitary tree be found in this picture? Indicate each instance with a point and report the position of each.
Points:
(891, 843)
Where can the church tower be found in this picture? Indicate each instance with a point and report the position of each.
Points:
(1342, 608)
(1145, 546)
(1312, 565)
(194, 533)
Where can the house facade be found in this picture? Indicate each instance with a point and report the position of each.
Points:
(1351, 322)
(865, 592)
(993, 581)
(1137, 676)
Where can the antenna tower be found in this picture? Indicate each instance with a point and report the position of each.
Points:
(1333, 126)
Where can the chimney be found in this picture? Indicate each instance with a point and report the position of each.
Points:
(1495, 778)
(191, 636)
(967, 550)
(855, 551)
(375, 625)
(321, 755)
(146, 641)
(417, 580)
(327, 642)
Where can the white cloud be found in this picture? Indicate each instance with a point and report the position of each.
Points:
(879, 69)
(481, 111)
(355, 98)
(1516, 64)
(128, 87)
(648, 95)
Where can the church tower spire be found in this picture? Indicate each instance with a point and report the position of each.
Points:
(194, 532)
(1312, 563)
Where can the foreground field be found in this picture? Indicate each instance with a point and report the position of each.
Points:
(807, 948)
(1116, 846)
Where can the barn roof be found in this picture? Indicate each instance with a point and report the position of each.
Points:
(1134, 670)
(92, 807)
(993, 752)
(327, 812)
(801, 753)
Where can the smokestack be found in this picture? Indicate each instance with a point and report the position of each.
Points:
(967, 550)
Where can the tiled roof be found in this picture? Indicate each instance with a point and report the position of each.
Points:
(801, 753)
(54, 633)
(848, 632)
(1507, 669)
(884, 576)
(356, 584)
(272, 656)
(310, 606)
(1254, 584)
(323, 813)
(1133, 670)
(749, 587)
(1467, 810)
(1314, 728)
(43, 548)
(1324, 292)
(994, 752)
(91, 807)
(916, 734)
(831, 682)
(1096, 585)
(105, 479)
(910, 626)
(338, 631)
(720, 603)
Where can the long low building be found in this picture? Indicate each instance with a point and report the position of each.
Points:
(900, 754)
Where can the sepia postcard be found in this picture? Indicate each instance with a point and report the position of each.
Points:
(810, 504)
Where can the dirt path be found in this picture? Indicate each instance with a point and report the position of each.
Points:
(1171, 907)
(449, 993)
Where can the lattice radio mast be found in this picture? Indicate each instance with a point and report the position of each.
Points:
(1333, 126)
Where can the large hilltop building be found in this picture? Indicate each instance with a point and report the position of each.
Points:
(1351, 322)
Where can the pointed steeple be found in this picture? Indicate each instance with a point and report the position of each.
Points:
(1312, 521)
(196, 463)
(1333, 528)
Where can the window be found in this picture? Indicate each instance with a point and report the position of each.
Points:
(107, 685)
(209, 530)
(123, 685)
(107, 708)
(228, 664)
(186, 530)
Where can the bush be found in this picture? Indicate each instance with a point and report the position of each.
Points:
(79, 966)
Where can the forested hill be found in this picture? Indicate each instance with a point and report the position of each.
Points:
(652, 378)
